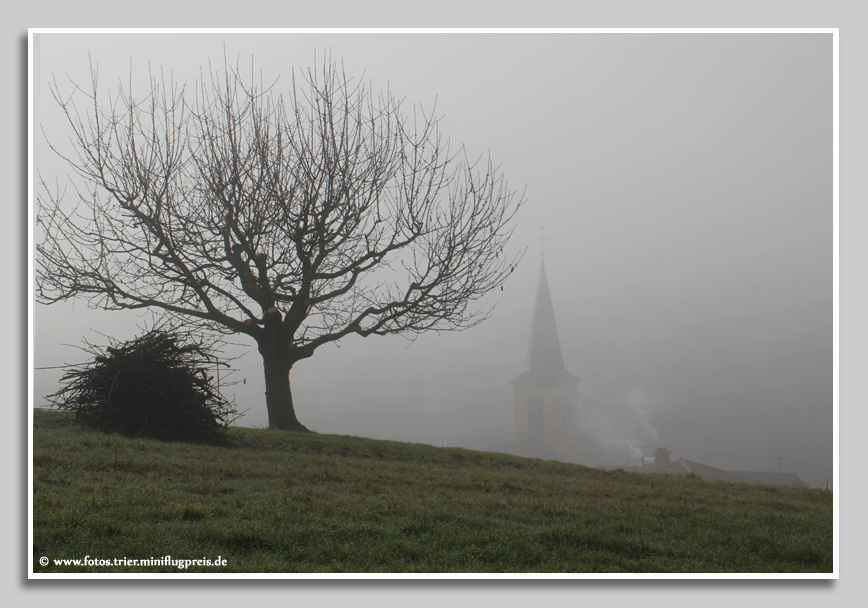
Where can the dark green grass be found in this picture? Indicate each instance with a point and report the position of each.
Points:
(275, 501)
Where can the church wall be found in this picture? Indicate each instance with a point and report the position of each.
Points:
(567, 446)
(545, 409)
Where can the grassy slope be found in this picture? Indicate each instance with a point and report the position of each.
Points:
(283, 502)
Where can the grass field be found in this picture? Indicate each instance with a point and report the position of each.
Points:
(274, 501)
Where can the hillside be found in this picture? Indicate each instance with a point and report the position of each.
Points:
(275, 501)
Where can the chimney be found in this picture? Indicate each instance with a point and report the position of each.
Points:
(661, 457)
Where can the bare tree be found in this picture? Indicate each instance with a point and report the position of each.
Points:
(296, 220)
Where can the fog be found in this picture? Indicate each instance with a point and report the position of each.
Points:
(684, 183)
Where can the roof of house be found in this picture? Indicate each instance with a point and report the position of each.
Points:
(709, 473)
(683, 466)
(775, 478)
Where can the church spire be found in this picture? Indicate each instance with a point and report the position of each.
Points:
(544, 351)
(546, 394)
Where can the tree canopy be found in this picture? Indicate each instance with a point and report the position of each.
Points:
(295, 217)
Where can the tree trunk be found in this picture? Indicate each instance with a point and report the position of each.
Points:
(278, 394)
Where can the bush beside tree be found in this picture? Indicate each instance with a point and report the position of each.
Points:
(156, 385)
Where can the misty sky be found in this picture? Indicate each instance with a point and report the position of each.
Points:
(684, 182)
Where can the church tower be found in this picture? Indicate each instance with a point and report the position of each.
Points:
(546, 394)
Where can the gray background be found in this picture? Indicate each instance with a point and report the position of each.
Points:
(847, 15)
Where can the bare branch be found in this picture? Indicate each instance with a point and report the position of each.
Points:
(295, 218)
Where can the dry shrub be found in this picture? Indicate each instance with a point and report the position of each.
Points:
(156, 385)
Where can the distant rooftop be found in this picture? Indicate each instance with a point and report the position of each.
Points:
(775, 478)
(683, 466)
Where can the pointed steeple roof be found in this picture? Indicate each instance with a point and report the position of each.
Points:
(544, 351)
(545, 360)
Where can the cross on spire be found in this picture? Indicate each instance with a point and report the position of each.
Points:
(542, 240)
